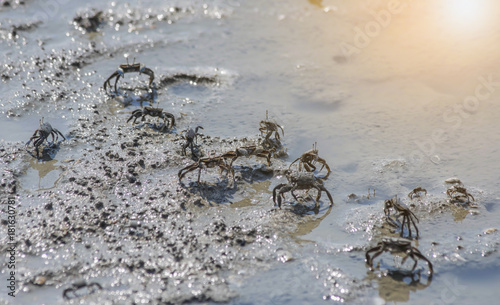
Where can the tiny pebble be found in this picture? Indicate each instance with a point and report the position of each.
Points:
(40, 280)
(284, 256)
(453, 180)
(490, 231)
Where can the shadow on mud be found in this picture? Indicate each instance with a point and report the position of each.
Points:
(223, 190)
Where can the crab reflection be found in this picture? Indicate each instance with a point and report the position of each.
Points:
(44, 168)
(396, 285)
(317, 3)
(135, 96)
(308, 226)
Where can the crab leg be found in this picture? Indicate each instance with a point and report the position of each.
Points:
(107, 82)
(325, 165)
(369, 260)
(322, 188)
(281, 188)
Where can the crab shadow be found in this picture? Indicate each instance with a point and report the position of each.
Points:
(135, 96)
(305, 206)
(161, 128)
(251, 174)
(219, 192)
(223, 191)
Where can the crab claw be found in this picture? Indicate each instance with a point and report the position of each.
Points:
(121, 72)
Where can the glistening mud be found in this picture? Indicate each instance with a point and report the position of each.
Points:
(103, 219)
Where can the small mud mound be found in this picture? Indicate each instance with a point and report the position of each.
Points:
(169, 80)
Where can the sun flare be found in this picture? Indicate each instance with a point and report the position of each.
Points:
(466, 10)
(466, 13)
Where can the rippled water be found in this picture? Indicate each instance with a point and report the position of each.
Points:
(395, 96)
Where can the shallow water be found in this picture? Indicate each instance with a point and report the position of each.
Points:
(394, 103)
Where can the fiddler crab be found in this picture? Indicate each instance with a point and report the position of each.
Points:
(267, 129)
(129, 68)
(309, 159)
(300, 181)
(458, 193)
(70, 293)
(247, 151)
(409, 218)
(190, 137)
(153, 112)
(207, 162)
(396, 245)
(42, 134)
(416, 192)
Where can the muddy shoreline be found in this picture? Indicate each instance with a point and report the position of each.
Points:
(118, 216)
(105, 207)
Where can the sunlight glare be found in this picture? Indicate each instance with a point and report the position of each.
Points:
(466, 9)
(467, 13)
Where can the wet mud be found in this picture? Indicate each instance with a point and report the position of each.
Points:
(102, 217)
(118, 216)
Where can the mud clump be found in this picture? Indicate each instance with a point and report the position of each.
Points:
(169, 80)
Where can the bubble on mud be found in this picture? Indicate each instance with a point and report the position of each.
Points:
(284, 256)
